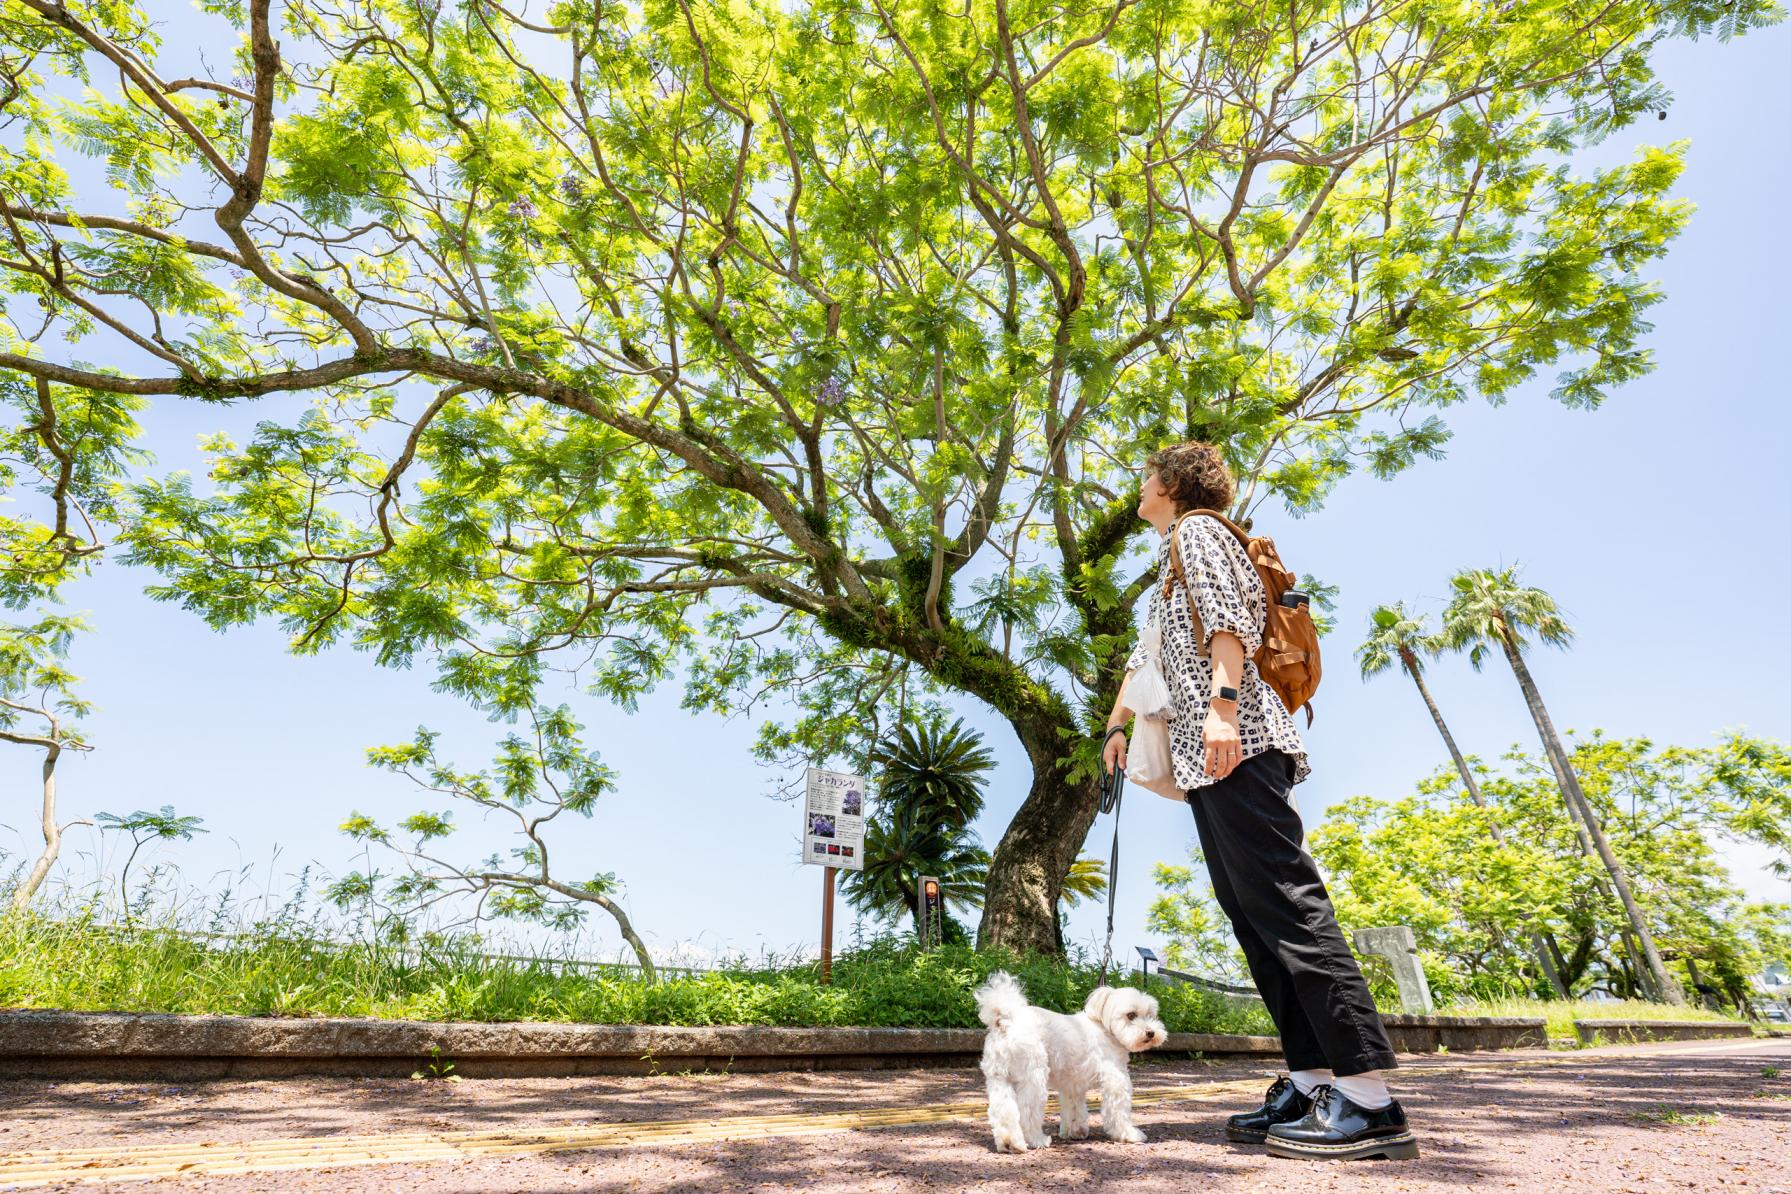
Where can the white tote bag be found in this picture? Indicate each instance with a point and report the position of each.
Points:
(1146, 694)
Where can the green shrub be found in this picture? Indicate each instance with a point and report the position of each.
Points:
(79, 965)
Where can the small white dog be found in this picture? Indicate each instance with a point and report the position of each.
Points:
(1029, 1051)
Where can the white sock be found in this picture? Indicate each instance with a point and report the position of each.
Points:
(1367, 1091)
(1306, 1081)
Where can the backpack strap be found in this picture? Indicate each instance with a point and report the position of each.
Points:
(1177, 574)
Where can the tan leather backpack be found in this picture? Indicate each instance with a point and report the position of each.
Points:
(1288, 658)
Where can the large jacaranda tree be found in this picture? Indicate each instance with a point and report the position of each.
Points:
(804, 347)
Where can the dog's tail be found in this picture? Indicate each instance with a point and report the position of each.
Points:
(1000, 1001)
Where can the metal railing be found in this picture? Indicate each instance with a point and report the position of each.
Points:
(403, 951)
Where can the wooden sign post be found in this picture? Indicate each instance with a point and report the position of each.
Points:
(826, 926)
(832, 839)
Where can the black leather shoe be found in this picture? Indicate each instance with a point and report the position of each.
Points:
(1282, 1105)
(1338, 1130)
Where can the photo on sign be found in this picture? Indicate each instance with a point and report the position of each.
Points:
(853, 804)
(820, 826)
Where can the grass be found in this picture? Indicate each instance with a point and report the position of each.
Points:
(1674, 1116)
(1561, 1014)
(78, 965)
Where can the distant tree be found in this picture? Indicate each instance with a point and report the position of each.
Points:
(1491, 609)
(37, 705)
(1196, 934)
(62, 454)
(1396, 635)
(145, 827)
(532, 781)
(1426, 861)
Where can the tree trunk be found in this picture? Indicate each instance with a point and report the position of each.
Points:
(1412, 669)
(52, 833)
(1537, 943)
(629, 935)
(1576, 800)
(1027, 869)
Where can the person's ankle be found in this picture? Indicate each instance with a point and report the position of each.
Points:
(1307, 1081)
(1367, 1091)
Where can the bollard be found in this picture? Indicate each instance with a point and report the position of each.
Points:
(1396, 944)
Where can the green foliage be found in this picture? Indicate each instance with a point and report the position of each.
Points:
(1561, 1013)
(1429, 861)
(62, 451)
(1489, 608)
(143, 827)
(78, 965)
(532, 781)
(37, 691)
(929, 791)
(1196, 934)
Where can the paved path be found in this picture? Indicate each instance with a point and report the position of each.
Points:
(1695, 1116)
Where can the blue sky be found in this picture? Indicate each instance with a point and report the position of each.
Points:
(1657, 522)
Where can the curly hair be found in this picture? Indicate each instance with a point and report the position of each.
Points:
(1193, 475)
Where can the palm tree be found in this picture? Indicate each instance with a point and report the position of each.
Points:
(899, 848)
(1491, 609)
(1087, 880)
(1394, 633)
(931, 790)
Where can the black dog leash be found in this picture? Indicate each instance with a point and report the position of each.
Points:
(1113, 786)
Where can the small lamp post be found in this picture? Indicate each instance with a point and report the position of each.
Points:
(1145, 957)
(932, 912)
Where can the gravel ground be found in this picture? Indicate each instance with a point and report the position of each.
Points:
(1671, 1117)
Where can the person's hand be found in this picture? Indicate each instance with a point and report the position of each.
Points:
(1224, 749)
(1113, 755)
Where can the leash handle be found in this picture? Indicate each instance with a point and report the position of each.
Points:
(1112, 791)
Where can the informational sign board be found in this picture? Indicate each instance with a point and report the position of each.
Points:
(833, 820)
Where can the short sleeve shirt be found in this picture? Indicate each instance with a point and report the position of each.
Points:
(1229, 596)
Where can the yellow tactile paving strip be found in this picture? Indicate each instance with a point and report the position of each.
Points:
(222, 1159)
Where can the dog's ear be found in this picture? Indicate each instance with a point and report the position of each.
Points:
(1097, 1003)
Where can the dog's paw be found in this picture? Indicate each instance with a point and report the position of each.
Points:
(1009, 1144)
(1042, 1142)
(1127, 1135)
(1068, 1133)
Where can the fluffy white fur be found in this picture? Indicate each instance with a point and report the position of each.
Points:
(1029, 1051)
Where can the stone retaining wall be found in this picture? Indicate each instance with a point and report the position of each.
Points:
(1622, 1032)
(170, 1047)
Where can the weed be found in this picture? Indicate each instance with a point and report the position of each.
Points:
(437, 1067)
(1672, 1115)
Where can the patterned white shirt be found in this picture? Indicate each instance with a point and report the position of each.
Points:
(1229, 596)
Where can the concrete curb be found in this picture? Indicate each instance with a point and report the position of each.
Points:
(1630, 1031)
(123, 1046)
(1465, 1034)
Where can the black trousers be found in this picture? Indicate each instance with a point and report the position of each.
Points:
(1269, 888)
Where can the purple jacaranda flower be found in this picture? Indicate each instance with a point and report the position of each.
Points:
(485, 346)
(522, 209)
(831, 392)
(572, 188)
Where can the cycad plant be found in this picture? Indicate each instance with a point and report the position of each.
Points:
(1491, 609)
(1395, 634)
(931, 790)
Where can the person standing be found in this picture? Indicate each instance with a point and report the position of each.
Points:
(1237, 755)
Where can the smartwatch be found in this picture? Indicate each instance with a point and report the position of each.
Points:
(1226, 693)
